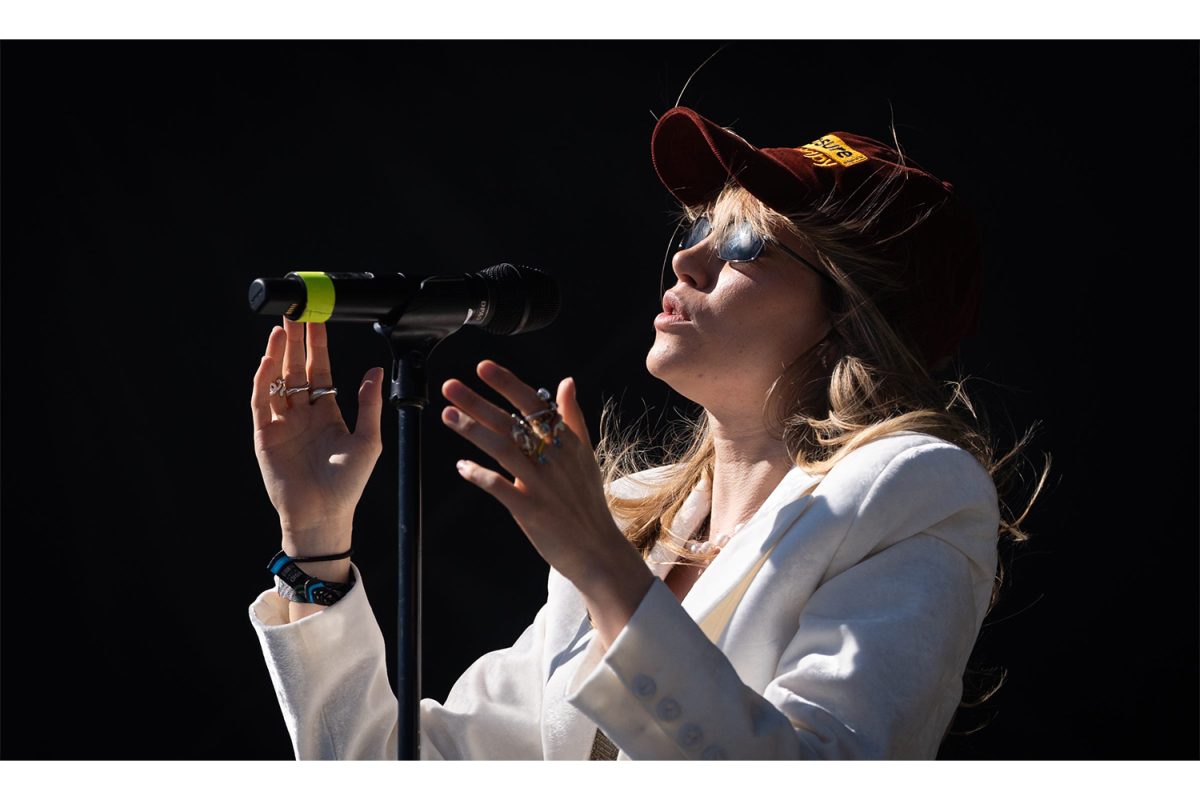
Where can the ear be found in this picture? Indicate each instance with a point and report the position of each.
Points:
(572, 414)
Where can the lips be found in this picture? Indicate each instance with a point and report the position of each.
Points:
(671, 305)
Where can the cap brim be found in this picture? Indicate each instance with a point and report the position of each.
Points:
(694, 158)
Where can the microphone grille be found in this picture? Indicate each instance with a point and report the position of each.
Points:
(523, 299)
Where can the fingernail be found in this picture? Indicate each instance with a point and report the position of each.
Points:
(452, 415)
(461, 466)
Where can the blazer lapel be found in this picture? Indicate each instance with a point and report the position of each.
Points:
(692, 513)
(718, 590)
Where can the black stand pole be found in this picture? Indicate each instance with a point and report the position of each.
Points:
(409, 395)
(413, 330)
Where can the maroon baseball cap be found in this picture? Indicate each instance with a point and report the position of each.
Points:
(933, 237)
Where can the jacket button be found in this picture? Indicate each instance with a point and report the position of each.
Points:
(644, 686)
(668, 709)
(691, 736)
(712, 752)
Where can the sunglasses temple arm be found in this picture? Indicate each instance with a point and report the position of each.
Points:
(802, 260)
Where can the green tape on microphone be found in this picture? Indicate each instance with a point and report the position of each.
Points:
(318, 305)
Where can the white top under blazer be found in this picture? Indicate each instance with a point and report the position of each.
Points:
(837, 623)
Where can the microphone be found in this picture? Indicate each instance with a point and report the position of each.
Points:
(503, 299)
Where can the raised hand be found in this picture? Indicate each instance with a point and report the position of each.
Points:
(314, 468)
(559, 504)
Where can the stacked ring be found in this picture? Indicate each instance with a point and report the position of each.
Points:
(530, 444)
(547, 430)
(318, 393)
(534, 432)
(279, 387)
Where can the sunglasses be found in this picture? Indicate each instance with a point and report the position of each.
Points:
(740, 245)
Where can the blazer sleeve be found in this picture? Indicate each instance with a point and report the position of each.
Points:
(874, 668)
(329, 671)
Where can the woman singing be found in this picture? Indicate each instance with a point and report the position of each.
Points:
(805, 578)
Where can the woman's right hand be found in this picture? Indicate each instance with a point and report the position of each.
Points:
(314, 469)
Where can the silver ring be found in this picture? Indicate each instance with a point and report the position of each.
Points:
(296, 389)
(278, 386)
(313, 394)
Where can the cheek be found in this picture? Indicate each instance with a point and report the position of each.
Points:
(773, 321)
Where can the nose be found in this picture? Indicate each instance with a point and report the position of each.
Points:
(696, 266)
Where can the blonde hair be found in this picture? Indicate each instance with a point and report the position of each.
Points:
(864, 381)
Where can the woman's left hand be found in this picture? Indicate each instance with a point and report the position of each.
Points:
(560, 505)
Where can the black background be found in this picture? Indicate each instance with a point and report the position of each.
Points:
(145, 184)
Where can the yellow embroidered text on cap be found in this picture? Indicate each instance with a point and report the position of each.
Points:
(829, 151)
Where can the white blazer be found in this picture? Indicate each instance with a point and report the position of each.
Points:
(837, 623)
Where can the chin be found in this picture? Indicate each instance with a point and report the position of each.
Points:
(669, 367)
(658, 362)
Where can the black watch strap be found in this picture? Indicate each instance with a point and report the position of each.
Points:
(304, 587)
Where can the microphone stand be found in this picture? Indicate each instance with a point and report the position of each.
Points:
(411, 345)
(420, 318)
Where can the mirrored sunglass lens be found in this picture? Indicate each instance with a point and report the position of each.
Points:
(742, 244)
(696, 234)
